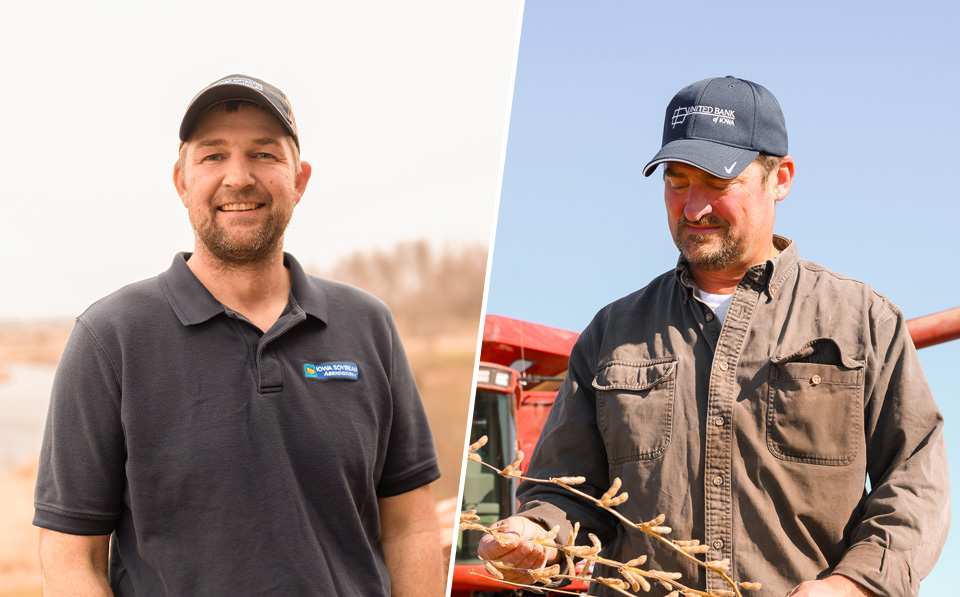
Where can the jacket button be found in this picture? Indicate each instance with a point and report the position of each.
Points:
(718, 421)
(709, 316)
(723, 366)
(718, 544)
(718, 481)
(815, 380)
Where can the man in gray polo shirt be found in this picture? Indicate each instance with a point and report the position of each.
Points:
(235, 426)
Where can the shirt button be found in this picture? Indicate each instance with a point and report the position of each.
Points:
(718, 421)
(723, 366)
(718, 481)
(718, 544)
(816, 379)
(709, 316)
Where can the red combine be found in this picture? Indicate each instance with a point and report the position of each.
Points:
(521, 367)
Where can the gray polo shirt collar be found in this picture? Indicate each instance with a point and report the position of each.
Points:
(194, 304)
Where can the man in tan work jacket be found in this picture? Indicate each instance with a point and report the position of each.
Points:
(748, 395)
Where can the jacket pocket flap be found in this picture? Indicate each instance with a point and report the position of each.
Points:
(823, 351)
(621, 375)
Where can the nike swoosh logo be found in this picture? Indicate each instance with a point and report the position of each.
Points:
(730, 169)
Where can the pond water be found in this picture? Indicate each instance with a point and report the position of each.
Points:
(24, 397)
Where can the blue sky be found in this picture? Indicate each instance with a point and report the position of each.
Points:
(867, 90)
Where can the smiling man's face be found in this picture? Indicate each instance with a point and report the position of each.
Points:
(240, 180)
(721, 224)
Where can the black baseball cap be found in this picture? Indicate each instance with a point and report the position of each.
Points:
(720, 125)
(240, 87)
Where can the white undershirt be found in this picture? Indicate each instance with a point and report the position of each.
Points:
(718, 302)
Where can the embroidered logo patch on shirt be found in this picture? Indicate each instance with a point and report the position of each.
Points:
(332, 371)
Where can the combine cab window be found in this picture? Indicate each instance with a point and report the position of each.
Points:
(483, 490)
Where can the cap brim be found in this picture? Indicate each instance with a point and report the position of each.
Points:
(225, 93)
(723, 161)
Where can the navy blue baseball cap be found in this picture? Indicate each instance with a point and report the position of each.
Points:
(720, 125)
(240, 87)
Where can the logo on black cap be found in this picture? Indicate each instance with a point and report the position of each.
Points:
(240, 81)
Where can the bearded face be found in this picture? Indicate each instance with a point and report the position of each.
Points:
(231, 231)
(723, 225)
(709, 252)
(240, 178)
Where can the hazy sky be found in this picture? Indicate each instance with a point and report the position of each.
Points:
(866, 89)
(401, 107)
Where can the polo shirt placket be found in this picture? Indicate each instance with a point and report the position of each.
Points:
(267, 370)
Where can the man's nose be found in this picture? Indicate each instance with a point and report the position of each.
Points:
(238, 173)
(698, 204)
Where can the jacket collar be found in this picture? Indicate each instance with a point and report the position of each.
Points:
(768, 275)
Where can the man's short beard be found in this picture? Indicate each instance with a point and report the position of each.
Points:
(727, 254)
(266, 241)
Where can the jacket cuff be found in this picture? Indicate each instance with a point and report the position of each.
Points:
(880, 570)
(548, 516)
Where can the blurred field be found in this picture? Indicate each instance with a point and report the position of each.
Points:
(19, 568)
(440, 337)
(31, 342)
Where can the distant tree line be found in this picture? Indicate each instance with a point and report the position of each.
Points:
(427, 289)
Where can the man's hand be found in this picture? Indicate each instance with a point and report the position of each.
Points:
(517, 550)
(832, 586)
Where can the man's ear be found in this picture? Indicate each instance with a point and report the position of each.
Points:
(179, 183)
(302, 179)
(784, 179)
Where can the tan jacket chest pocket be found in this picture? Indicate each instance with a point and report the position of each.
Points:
(635, 408)
(815, 405)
